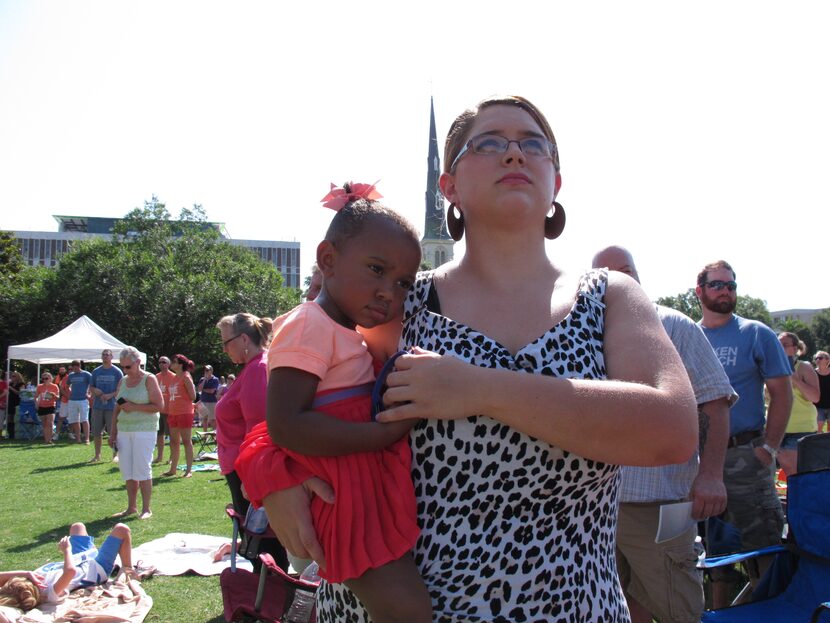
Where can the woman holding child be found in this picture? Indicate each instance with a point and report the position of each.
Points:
(531, 385)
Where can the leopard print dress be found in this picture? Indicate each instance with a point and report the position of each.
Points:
(513, 529)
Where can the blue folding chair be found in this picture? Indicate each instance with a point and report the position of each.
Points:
(807, 596)
(28, 423)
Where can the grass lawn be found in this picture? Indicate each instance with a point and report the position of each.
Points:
(47, 488)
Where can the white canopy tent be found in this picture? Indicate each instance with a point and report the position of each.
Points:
(83, 340)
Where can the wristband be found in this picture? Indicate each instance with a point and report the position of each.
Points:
(770, 450)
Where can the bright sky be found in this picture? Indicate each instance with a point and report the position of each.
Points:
(687, 131)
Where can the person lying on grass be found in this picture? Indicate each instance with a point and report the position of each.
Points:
(83, 566)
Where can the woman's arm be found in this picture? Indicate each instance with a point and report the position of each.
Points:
(294, 425)
(643, 414)
(156, 403)
(805, 380)
(188, 385)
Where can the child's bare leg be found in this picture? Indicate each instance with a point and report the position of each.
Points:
(394, 593)
(122, 531)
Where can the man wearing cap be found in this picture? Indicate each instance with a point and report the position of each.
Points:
(77, 413)
(104, 385)
(207, 388)
(752, 357)
(661, 579)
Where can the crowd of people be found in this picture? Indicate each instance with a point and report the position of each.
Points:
(532, 427)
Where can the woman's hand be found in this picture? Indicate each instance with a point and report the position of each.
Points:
(428, 385)
(289, 513)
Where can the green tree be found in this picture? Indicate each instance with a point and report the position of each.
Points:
(11, 259)
(685, 302)
(821, 330)
(747, 306)
(158, 284)
(804, 333)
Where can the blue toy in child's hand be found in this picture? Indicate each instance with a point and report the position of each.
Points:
(380, 383)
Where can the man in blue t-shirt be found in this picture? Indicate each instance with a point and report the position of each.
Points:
(104, 385)
(207, 387)
(78, 405)
(752, 357)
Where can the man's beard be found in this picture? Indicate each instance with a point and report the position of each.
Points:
(725, 306)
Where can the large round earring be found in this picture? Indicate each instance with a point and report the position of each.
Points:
(455, 224)
(554, 225)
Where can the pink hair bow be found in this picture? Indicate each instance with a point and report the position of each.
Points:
(339, 197)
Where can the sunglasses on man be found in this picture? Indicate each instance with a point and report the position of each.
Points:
(719, 285)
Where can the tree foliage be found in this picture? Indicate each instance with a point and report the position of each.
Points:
(804, 333)
(158, 284)
(747, 306)
(11, 259)
(821, 330)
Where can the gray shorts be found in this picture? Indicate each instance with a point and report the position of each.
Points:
(100, 421)
(752, 502)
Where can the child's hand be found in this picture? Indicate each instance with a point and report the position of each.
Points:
(63, 544)
(36, 579)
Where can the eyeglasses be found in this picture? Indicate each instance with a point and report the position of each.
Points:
(228, 341)
(106, 355)
(822, 357)
(127, 367)
(719, 285)
(164, 363)
(490, 144)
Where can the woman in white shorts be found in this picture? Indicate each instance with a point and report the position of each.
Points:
(135, 422)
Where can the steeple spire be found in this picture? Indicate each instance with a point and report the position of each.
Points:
(434, 225)
(436, 245)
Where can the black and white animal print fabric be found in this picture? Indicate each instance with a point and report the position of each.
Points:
(513, 529)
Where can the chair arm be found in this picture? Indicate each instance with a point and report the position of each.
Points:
(817, 612)
(729, 559)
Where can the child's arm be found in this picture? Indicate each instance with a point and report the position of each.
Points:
(68, 567)
(292, 423)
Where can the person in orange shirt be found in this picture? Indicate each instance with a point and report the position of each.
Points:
(46, 396)
(165, 378)
(180, 413)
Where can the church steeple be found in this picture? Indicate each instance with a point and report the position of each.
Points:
(436, 244)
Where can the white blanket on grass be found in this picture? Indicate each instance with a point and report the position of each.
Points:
(178, 553)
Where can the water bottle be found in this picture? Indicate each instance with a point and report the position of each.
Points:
(256, 520)
(303, 603)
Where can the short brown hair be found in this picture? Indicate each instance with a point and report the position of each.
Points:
(703, 275)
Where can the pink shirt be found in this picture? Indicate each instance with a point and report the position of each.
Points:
(240, 408)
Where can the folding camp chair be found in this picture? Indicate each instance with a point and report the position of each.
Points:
(814, 452)
(263, 597)
(809, 542)
(206, 440)
(28, 423)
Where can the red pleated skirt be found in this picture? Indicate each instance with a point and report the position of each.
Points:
(372, 521)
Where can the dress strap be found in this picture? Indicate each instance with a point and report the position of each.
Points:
(418, 298)
(592, 286)
(327, 397)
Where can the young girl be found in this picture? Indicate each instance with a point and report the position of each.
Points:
(318, 420)
(83, 565)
